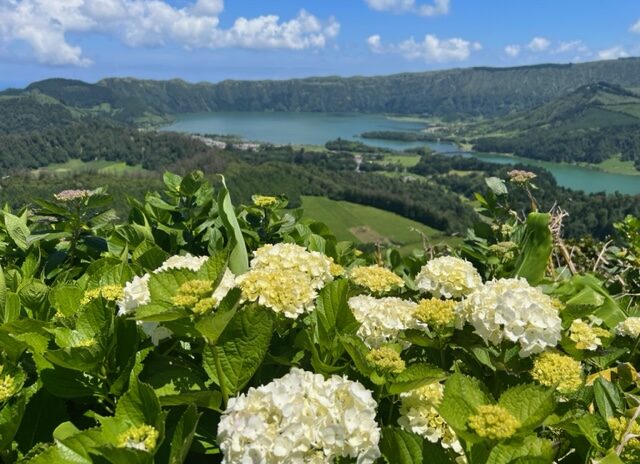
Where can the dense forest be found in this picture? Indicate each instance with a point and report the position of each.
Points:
(449, 93)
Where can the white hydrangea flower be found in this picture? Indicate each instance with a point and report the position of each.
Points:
(510, 309)
(381, 319)
(193, 263)
(300, 418)
(285, 278)
(419, 415)
(630, 327)
(448, 277)
(227, 283)
(136, 293)
(155, 331)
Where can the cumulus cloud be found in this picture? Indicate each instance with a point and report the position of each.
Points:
(635, 28)
(44, 24)
(512, 50)
(430, 49)
(438, 7)
(538, 44)
(573, 46)
(612, 53)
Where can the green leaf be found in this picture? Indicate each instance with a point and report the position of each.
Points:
(462, 396)
(12, 307)
(415, 376)
(139, 405)
(530, 404)
(534, 449)
(208, 399)
(496, 185)
(400, 447)
(333, 313)
(66, 299)
(608, 398)
(183, 435)
(67, 383)
(535, 249)
(11, 414)
(18, 230)
(238, 259)
(3, 295)
(213, 324)
(240, 349)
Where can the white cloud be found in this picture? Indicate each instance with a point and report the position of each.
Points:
(439, 7)
(43, 25)
(635, 28)
(431, 49)
(538, 44)
(512, 50)
(612, 53)
(573, 46)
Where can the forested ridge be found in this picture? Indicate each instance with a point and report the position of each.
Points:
(450, 93)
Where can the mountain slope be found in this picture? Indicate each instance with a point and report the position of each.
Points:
(484, 92)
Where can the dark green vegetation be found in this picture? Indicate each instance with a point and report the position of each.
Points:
(399, 135)
(592, 124)
(451, 93)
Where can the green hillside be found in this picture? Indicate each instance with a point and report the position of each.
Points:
(364, 224)
(449, 93)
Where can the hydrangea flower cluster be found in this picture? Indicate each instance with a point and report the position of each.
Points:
(630, 327)
(381, 319)
(448, 277)
(72, 195)
(494, 422)
(285, 278)
(8, 386)
(136, 292)
(586, 336)
(419, 415)
(510, 309)
(143, 437)
(558, 370)
(375, 278)
(386, 360)
(435, 314)
(302, 418)
(107, 292)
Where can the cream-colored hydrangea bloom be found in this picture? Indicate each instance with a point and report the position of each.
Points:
(193, 263)
(285, 278)
(586, 336)
(381, 319)
(630, 327)
(419, 415)
(375, 278)
(511, 309)
(494, 422)
(448, 277)
(300, 418)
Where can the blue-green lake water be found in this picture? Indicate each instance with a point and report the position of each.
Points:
(318, 128)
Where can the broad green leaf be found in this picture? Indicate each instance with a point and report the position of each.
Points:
(240, 349)
(18, 230)
(66, 299)
(608, 398)
(496, 185)
(11, 415)
(139, 405)
(400, 447)
(415, 376)
(530, 404)
(67, 383)
(213, 324)
(462, 396)
(238, 259)
(208, 399)
(183, 435)
(12, 307)
(333, 314)
(535, 248)
(535, 449)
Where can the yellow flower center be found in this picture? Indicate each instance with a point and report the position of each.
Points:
(107, 292)
(143, 437)
(375, 278)
(386, 360)
(557, 370)
(436, 313)
(494, 422)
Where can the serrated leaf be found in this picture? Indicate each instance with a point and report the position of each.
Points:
(333, 314)
(183, 435)
(608, 398)
(462, 396)
(415, 376)
(18, 230)
(240, 349)
(530, 447)
(530, 404)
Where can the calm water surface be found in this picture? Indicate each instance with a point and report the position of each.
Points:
(318, 128)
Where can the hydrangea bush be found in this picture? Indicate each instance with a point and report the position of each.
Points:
(195, 332)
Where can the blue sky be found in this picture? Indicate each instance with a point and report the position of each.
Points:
(212, 40)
